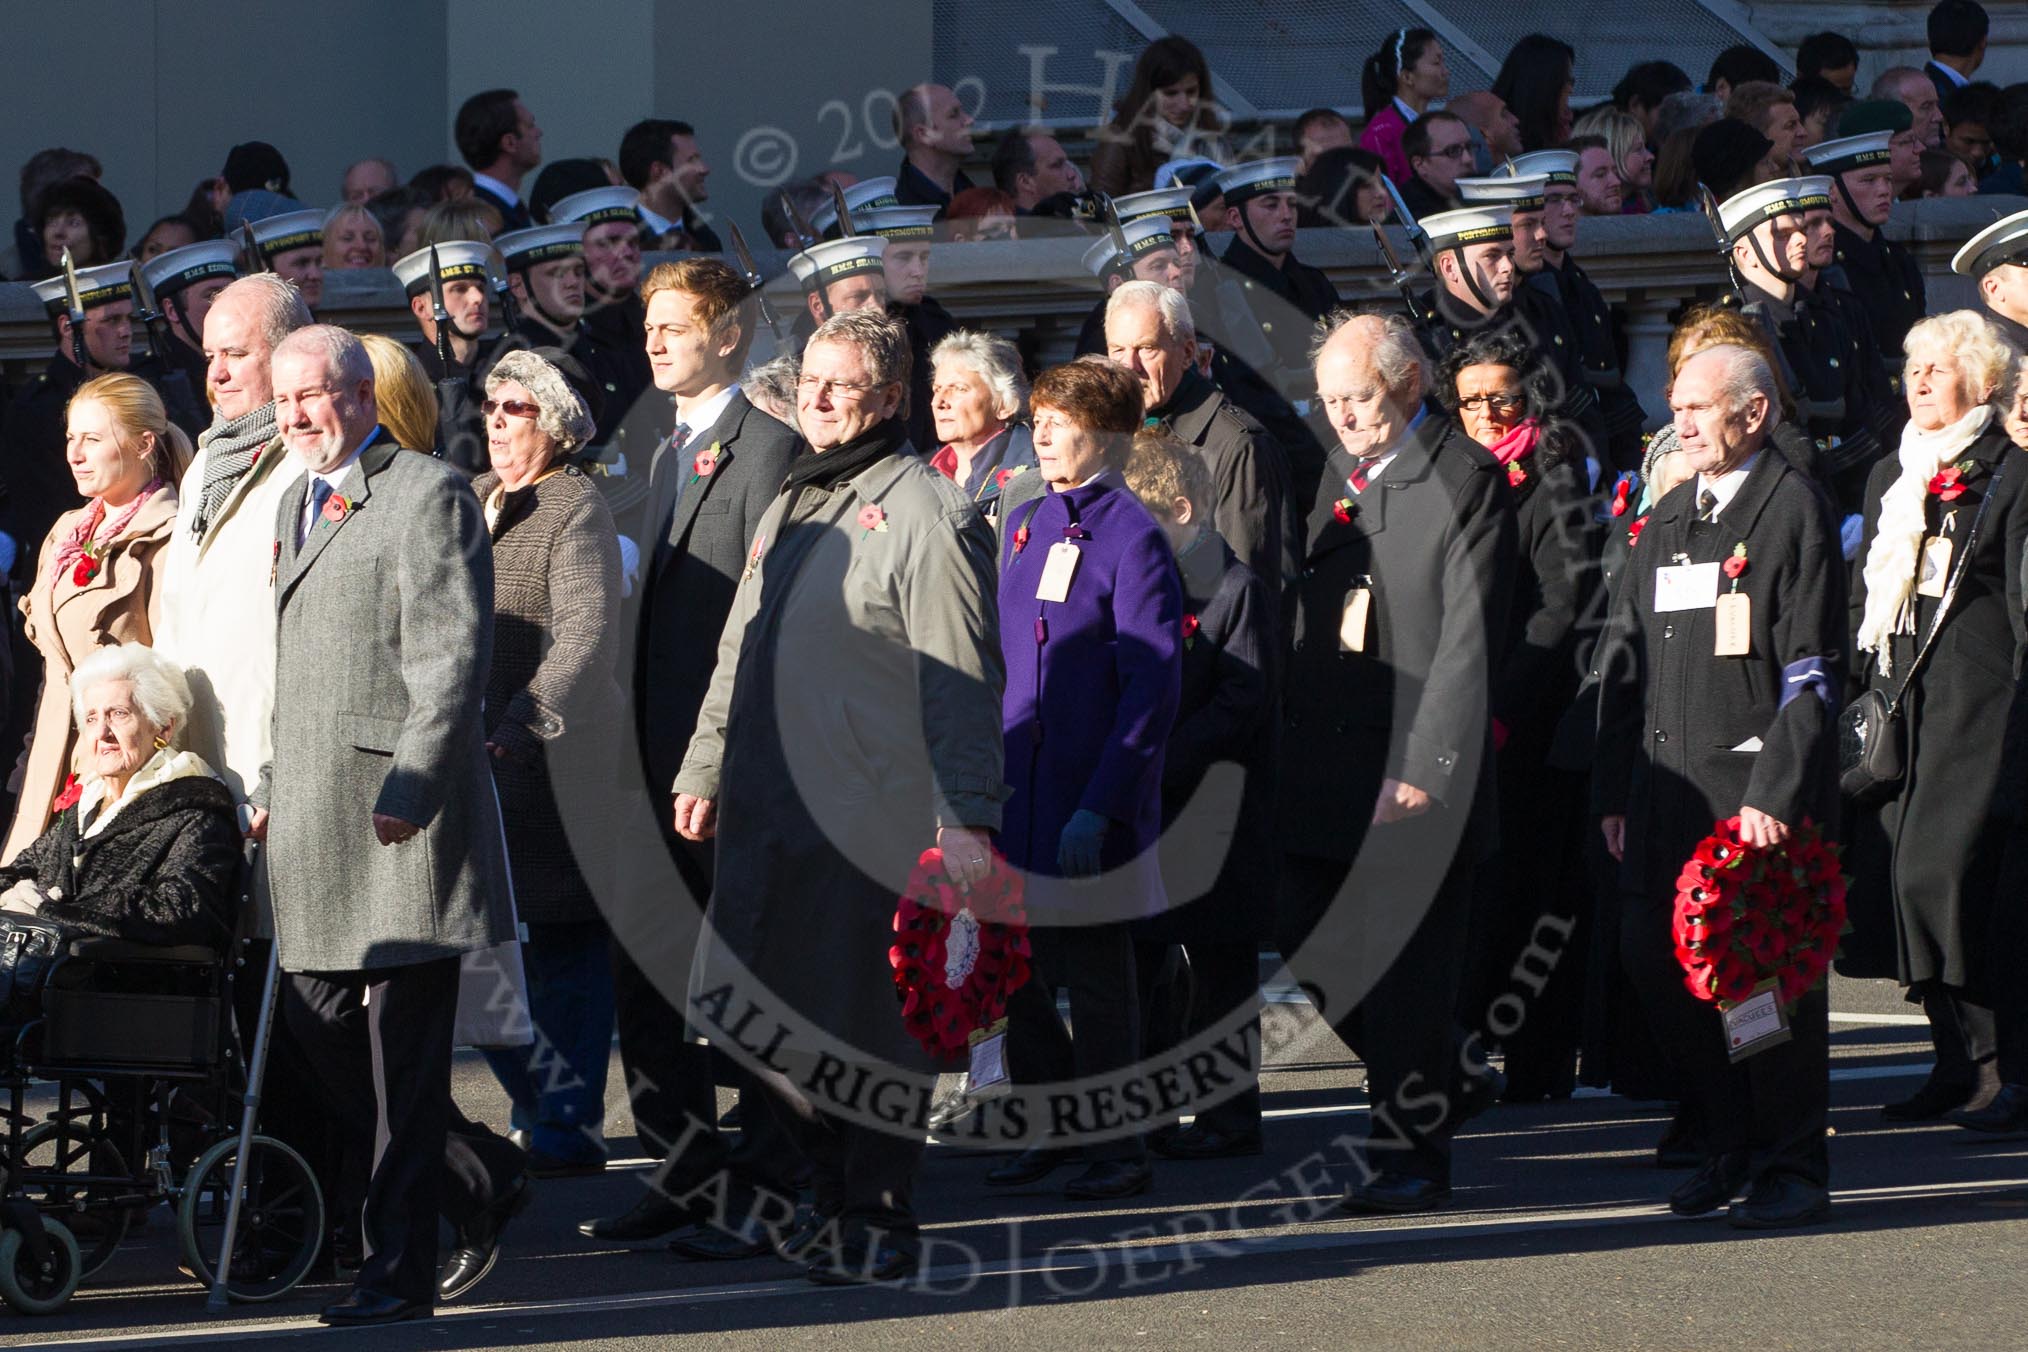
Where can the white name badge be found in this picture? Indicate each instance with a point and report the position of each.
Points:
(1756, 1023)
(1686, 586)
(1057, 571)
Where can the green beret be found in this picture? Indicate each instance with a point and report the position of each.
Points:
(1888, 115)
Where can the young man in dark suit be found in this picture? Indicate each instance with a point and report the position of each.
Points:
(710, 482)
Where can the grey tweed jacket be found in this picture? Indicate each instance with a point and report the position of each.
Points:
(385, 619)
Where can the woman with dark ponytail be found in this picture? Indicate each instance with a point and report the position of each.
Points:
(1399, 83)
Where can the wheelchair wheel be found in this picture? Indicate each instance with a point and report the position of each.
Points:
(88, 1210)
(30, 1287)
(281, 1218)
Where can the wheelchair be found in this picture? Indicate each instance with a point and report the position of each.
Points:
(155, 1101)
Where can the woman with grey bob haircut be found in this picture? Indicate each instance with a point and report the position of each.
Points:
(561, 414)
(978, 400)
(552, 703)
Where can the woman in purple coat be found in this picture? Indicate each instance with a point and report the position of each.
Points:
(1090, 615)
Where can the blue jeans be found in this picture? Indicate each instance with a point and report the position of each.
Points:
(558, 1083)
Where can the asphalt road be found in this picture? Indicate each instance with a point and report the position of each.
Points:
(1557, 1238)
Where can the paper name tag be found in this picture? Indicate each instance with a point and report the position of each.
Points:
(1936, 566)
(986, 1075)
(1686, 586)
(1756, 1023)
(1057, 571)
(1352, 623)
(1733, 620)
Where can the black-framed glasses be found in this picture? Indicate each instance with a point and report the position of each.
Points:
(1492, 403)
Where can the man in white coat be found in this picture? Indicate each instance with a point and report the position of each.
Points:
(217, 612)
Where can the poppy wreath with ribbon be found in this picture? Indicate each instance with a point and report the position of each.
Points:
(957, 954)
(1745, 916)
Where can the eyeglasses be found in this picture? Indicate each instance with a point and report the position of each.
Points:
(1456, 152)
(1492, 403)
(819, 386)
(514, 408)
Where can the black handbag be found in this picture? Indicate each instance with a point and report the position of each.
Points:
(1872, 739)
(29, 947)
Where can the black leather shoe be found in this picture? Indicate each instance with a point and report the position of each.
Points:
(1780, 1204)
(1108, 1179)
(2005, 1115)
(650, 1218)
(1938, 1097)
(479, 1246)
(1392, 1193)
(1710, 1188)
(858, 1263)
(371, 1307)
(709, 1244)
(801, 1241)
(1202, 1141)
(1031, 1164)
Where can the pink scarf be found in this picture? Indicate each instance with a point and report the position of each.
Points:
(1517, 444)
(87, 534)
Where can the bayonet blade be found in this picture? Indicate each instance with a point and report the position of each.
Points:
(73, 296)
(744, 255)
(254, 260)
(845, 229)
(806, 234)
(438, 310)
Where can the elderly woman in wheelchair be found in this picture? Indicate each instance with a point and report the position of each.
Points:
(144, 846)
(118, 953)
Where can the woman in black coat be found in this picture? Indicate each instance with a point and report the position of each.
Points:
(1220, 869)
(144, 845)
(1932, 858)
(1493, 384)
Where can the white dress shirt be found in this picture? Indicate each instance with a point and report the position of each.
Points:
(1726, 485)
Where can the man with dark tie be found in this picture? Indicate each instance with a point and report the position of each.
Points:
(709, 484)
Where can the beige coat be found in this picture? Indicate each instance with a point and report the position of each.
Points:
(216, 616)
(117, 606)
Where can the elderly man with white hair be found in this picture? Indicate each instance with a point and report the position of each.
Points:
(384, 844)
(1714, 707)
(1149, 331)
(1386, 811)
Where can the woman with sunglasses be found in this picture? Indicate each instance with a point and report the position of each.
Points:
(1494, 383)
(551, 702)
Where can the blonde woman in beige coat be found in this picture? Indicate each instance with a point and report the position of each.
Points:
(97, 581)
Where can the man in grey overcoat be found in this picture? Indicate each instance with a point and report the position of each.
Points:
(384, 846)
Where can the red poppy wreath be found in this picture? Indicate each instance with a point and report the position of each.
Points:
(1745, 916)
(957, 955)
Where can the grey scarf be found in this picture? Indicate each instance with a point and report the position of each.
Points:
(232, 446)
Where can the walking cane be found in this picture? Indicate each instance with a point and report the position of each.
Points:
(256, 1071)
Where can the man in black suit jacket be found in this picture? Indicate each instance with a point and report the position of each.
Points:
(711, 480)
(1386, 781)
(500, 142)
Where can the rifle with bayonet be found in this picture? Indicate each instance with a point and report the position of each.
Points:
(452, 398)
(1398, 272)
(805, 236)
(503, 292)
(255, 260)
(750, 271)
(176, 391)
(73, 300)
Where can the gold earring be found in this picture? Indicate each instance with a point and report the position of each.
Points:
(161, 745)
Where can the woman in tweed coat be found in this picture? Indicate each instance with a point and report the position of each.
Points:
(552, 703)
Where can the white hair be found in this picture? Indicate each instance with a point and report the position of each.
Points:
(564, 418)
(1397, 355)
(1167, 302)
(161, 694)
(1744, 374)
(344, 356)
(277, 304)
(991, 358)
(1982, 353)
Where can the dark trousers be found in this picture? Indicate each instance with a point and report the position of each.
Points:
(1964, 1032)
(1769, 1109)
(379, 1045)
(2009, 945)
(1095, 963)
(1396, 1015)
(863, 1177)
(1220, 979)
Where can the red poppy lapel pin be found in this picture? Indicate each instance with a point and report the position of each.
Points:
(1190, 628)
(1341, 511)
(706, 462)
(871, 519)
(1517, 473)
(337, 507)
(72, 791)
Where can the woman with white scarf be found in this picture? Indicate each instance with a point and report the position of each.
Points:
(1935, 848)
